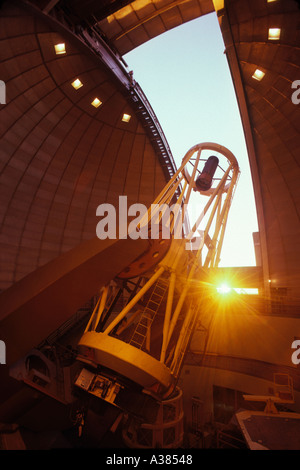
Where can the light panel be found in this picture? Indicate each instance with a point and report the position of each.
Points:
(60, 48)
(96, 103)
(274, 34)
(126, 117)
(258, 75)
(77, 84)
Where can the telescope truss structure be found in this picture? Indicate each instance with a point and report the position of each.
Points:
(145, 341)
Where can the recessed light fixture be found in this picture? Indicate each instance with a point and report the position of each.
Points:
(274, 34)
(126, 117)
(96, 102)
(60, 48)
(77, 84)
(270, 1)
(258, 75)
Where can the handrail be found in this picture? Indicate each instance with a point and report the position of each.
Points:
(72, 321)
(243, 365)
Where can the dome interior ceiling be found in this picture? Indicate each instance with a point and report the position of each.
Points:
(60, 156)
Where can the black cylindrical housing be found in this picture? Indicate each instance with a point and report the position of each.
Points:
(204, 181)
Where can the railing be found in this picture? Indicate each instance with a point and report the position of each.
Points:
(243, 365)
(82, 313)
(226, 440)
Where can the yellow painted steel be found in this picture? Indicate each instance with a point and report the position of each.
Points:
(177, 312)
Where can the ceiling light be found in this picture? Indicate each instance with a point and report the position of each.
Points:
(77, 84)
(274, 34)
(60, 48)
(270, 1)
(258, 75)
(126, 117)
(96, 102)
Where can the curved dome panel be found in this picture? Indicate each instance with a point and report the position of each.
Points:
(60, 156)
(140, 21)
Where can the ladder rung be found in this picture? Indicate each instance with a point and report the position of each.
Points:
(157, 291)
(141, 326)
(153, 305)
(138, 344)
(156, 298)
(149, 310)
(139, 334)
(137, 341)
(154, 302)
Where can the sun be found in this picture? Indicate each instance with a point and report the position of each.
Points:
(224, 289)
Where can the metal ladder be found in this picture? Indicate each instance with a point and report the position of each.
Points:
(149, 313)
